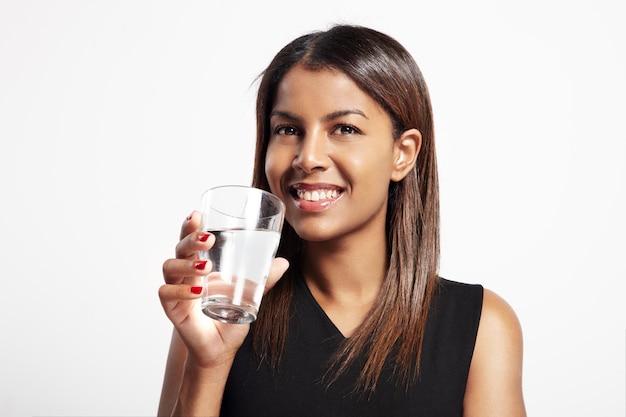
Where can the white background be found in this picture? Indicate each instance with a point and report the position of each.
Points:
(116, 115)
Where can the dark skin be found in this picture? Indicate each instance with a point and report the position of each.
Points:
(330, 158)
(201, 348)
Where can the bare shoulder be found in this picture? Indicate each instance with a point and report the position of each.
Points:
(498, 319)
(494, 386)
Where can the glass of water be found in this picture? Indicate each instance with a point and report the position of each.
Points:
(246, 222)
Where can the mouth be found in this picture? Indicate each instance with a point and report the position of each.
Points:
(315, 195)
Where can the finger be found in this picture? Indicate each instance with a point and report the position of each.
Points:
(191, 224)
(193, 243)
(180, 292)
(177, 271)
(278, 268)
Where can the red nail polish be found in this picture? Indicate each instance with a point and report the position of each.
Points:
(196, 290)
(203, 237)
(199, 264)
(189, 217)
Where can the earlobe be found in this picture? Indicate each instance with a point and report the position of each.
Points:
(407, 147)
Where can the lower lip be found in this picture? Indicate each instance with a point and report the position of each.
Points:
(316, 206)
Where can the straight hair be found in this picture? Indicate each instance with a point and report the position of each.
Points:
(393, 331)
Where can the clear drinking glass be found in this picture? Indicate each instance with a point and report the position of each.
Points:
(246, 222)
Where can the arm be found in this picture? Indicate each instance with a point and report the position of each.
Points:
(190, 388)
(202, 389)
(202, 350)
(494, 385)
(173, 375)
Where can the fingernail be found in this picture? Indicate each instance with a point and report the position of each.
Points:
(200, 264)
(196, 290)
(190, 216)
(203, 237)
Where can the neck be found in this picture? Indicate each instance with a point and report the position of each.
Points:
(353, 269)
(345, 279)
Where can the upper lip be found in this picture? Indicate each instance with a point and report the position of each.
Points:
(316, 186)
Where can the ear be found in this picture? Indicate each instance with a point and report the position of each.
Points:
(406, 149)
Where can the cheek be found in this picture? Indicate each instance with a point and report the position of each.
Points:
(372, 167)
(270, 174)
(274, 168)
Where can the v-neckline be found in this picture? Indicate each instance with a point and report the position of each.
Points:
(327, 320)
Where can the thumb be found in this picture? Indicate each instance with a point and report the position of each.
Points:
(278, 268)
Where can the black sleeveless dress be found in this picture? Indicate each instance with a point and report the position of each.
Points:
(253, 389)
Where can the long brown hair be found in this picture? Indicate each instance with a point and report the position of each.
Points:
(394, 328)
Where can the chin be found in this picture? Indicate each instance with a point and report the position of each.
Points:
(313, 235)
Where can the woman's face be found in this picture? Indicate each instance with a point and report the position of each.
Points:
(330, 156)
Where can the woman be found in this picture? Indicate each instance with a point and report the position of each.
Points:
(361, 323)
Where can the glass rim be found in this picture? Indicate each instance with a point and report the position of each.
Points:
(275, 199)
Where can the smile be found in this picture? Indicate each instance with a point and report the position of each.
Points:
(317, 195)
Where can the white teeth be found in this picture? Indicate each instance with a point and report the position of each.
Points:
(317, 195)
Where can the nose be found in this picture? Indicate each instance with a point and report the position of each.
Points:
(312, 153)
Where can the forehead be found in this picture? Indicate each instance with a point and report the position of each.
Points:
(324, 89)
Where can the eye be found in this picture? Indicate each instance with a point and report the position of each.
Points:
(285, 130)
(347, 130)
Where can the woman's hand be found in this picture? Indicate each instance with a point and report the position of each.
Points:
(209, 342)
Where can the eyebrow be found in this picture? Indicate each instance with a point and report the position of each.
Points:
(327, 118)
